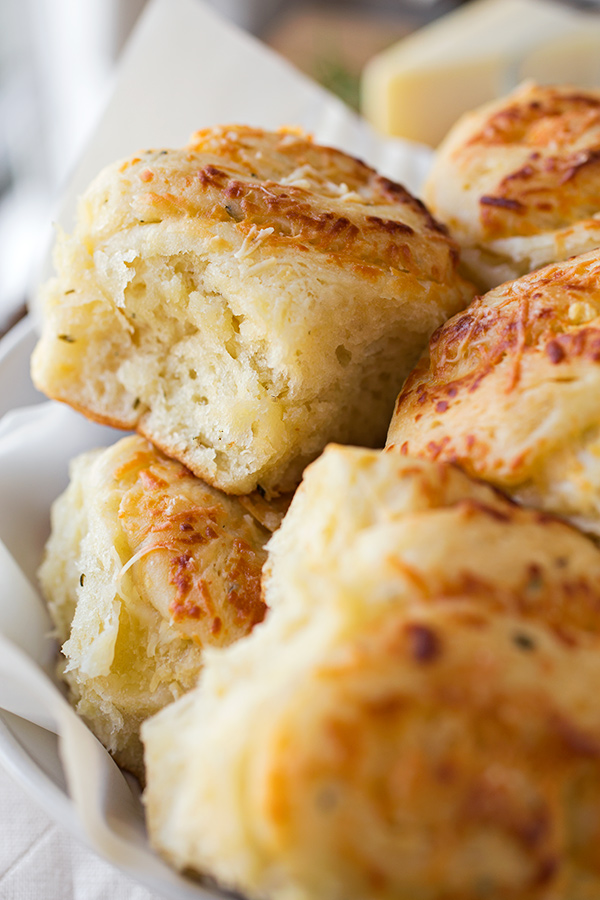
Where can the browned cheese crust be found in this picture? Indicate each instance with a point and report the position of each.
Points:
(243, 300)
(518, 181)
(240, 179)
(468, 766)
(199, 555)
(415, 720)
(509, 389)
(146, 567)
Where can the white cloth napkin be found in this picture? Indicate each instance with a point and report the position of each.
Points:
(40, 860)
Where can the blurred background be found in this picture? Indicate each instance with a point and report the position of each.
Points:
(58, 57)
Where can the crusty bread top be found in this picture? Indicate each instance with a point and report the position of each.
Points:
(197, 554)
(371, 520)
(415, 717)
(254, 179)
(139, 526)
(526, 164)
(510, 389)
(244, 300)
(145, 568)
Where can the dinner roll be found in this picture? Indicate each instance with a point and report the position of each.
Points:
(145, 567)
(517, 181)
(243, 300)
(509, 390)
(416, 718)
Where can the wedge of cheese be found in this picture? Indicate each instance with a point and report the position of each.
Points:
(418, 87)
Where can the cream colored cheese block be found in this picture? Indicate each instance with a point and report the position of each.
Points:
(421, 85)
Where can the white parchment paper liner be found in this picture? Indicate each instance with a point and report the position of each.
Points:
(184, 69)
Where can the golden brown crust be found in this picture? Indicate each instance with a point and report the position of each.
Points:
(417, 716)
(200, 557)
(524, 167)
(421, 716)
(253, 179)
(558, 130)
(145, 568)
(508, 385)
(243, 300)
(438, 512)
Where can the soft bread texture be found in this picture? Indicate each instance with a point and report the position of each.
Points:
(517, 181)
(415, 719)
(145, 567)
(244, 300)
(509, 390)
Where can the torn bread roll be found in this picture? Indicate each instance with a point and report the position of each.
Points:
(517, 181)
(416, 717)
(145, 567)
(244, 300)
(509, 391)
